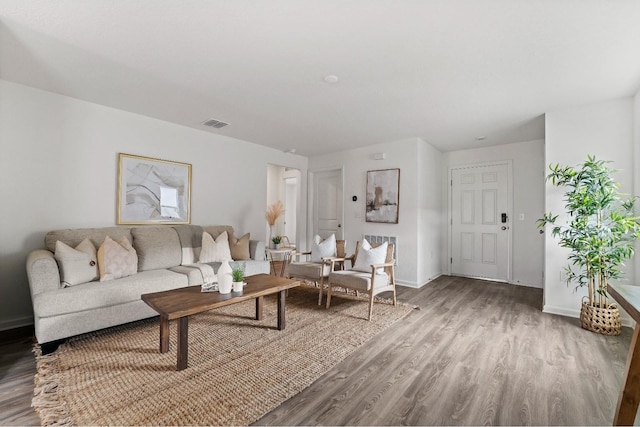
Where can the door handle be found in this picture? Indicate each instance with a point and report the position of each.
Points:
(504, 227)
(339, 225)
(541, 231)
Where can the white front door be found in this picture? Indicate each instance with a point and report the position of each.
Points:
(480, 221)
(327, 203)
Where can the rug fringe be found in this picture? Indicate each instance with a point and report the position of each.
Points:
(46, 400)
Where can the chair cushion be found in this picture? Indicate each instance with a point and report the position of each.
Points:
(368, 256)
(323, 248)
(358, 280)
(309, 270)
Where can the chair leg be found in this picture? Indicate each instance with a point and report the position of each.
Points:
(394, 294)
(321, 290)
(370, 305)
(328, 295)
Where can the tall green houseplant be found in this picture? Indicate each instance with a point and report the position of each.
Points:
(600, 232)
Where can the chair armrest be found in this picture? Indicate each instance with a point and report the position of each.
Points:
(385, 264)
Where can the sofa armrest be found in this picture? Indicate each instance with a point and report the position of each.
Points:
(256, 250)
(42, 272)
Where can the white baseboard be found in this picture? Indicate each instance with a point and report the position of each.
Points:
(562, 311)
(415, 285)
(5, 325)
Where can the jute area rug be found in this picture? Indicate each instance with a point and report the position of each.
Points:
(239, 368)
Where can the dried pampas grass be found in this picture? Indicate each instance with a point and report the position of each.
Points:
(274, 211)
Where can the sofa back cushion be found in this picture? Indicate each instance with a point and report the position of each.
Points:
(157, 247)
(73, 237)
(190, 241)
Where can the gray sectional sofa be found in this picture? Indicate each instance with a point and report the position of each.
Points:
(165, 261)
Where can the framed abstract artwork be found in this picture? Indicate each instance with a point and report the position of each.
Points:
(383, 196)
(153, 191)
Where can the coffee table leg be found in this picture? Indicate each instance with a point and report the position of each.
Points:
(281, 309)
(183, 342)
(259, 304)
(164, 334)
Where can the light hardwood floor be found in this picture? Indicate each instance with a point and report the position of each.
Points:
(476, 353)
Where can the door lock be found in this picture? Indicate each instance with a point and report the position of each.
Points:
(504, 227)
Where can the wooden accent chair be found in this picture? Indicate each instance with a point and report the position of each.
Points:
(380, 279)
(316, 272)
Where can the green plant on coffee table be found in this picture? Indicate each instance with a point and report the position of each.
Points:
(601, 229)
(276, 240)
(237, 272)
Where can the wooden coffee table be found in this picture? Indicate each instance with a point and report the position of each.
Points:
(183, 302)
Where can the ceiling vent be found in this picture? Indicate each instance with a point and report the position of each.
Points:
(215, 123)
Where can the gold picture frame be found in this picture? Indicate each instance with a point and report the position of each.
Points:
(153, 191)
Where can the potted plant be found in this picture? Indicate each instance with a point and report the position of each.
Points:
(600, 233)
(237, 273)
(276, 241)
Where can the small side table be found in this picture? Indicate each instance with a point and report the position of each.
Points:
(282, 255)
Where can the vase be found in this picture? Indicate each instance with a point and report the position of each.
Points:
(237, 286)
(224, 278)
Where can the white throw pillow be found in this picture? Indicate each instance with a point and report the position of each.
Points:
(323, 248)
(215, 250)
(79, 265)
(368, 256)
(116, 259)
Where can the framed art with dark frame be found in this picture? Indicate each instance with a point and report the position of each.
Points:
(153, 191)
(383, 196)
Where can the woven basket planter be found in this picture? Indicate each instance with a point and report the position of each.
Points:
(605, 321)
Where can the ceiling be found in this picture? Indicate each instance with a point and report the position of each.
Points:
(447, 71)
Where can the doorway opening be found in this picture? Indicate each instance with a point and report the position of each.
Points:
(283, 183)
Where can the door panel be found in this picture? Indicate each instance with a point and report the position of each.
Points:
(479, 238)
(327, 203)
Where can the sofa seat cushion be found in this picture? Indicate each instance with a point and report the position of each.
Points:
(199, 273)
(93, 295)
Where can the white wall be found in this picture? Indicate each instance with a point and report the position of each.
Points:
(59, 165)
(431, 224)
(528, 198)
(636, 172)
(419, 164)
(605, 130)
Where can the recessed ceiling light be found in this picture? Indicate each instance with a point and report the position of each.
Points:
(331, 79)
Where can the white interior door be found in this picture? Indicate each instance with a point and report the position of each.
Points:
(290, 207)
(327, 203)
(480, 222)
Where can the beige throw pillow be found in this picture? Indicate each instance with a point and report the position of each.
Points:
(368, 256)
(215, 250)
(239, 247)
(116, 259)
(77, 265)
